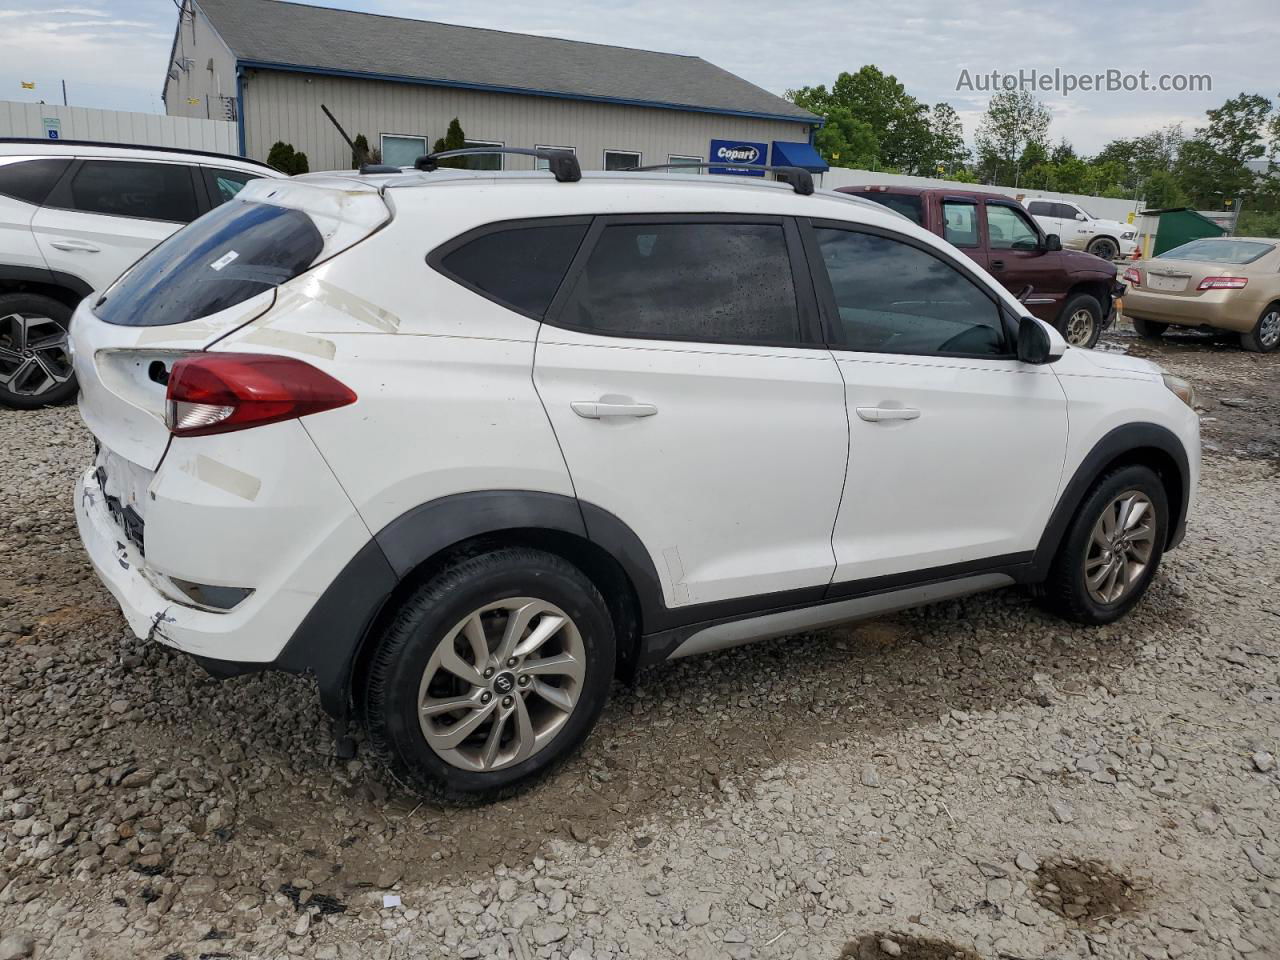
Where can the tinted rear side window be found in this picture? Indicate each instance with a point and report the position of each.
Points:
(715, 282)
(31, 180)
(122, 188)
(908, 206)
(227, 256)
(225, 184)
(520, 267)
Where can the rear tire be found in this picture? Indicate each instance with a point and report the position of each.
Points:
(1265, 335)
(1104, 247)
(1080, 586)
(1148, 329)
(35, 363)
(524, 713)
(1081, 320)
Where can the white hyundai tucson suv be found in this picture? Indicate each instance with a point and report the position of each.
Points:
(466, 446)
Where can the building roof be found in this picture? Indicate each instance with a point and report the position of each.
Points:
(272, 33)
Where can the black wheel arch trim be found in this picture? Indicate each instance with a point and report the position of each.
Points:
(1122, 440)
(52, 278)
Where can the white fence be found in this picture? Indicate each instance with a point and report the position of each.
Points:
(115, 126)
(1103, 207)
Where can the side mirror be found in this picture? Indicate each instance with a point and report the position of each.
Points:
(1038, 343)
(1081, 217)
(1052, 243)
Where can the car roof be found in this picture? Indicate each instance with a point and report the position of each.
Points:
(35, 146)
(908, 191)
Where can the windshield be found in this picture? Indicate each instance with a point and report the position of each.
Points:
(908, 206)
(232, 253)
(1219, 250)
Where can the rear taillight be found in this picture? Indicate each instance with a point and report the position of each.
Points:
(220, 392)
(1223, 283)
(1132, 277)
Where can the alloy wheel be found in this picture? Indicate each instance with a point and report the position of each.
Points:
(34, 354)
(1079, 328)
(1106, 249)
(1120, 547)
(1269, 330)
(501, 684)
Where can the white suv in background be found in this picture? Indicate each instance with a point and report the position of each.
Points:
(73, 217)
(465, 445)
(1078, 229)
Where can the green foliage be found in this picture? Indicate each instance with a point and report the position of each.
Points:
(1258, 223)
(454, 139)
(846, 141)
(1014, 124)
(284, 158)
(360, 153)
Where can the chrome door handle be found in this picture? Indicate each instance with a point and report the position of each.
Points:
(78, 246)
(879, 414)
(600, 409)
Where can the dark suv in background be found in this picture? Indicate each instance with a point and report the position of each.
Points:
(1076, 292)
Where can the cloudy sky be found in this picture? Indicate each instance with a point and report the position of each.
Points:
(113, 53)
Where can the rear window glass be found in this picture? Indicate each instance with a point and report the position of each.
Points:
(519, 267)
(31, 180)
(229, 255)
(1219, 251)
(908, 206)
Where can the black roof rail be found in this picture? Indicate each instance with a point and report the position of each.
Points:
(800, 179)
(133, 146)
(366, 168)
(562, 163)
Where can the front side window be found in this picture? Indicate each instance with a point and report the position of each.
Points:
(713, 282)
(232, 253)
(399, 151)
(127, 188)
(31, 180)
(1067, 212)
(621, 159)
(960, 223)
(1008, 229)
(225, 184)
(520, 267)
(892, 297)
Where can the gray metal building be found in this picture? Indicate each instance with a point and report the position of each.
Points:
(270, 65)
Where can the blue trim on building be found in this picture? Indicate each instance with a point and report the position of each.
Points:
(523, 91)
(240, 107)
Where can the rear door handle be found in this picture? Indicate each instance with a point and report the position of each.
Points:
(879, 414)
(600, 409)
(78, 246)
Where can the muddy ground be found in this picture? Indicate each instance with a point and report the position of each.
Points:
(905, 787)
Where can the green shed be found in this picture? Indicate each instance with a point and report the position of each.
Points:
(1165, 229)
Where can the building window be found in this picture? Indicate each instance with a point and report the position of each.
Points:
(400, 151)
(540, 164)
(484, 161)
(621, 159)
(677, 158)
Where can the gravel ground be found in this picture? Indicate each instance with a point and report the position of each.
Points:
(974, 779)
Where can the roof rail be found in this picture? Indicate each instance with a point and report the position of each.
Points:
(133, 146)
(800, 179)
(562, 163)
(367, 168)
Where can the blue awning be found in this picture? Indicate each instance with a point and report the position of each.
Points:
(801, 155)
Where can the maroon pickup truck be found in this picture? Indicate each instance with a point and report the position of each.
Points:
(1074, 291)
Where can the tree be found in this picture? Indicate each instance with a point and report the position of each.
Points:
(1014, 119)
(845, 141)
(360, 152)
(947, 148)
(1062, 152)
(454, 139)
(284, 158)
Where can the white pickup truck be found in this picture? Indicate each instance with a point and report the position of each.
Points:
(1078, 229)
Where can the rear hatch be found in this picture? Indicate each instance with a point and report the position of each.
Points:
(207, 280)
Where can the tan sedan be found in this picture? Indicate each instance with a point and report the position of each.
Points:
(1224, 283)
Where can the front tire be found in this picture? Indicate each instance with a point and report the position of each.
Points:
(1104, 247)
(1112, 548)
(1265, 335)
(35, 358)
(1148, 329)
(1081, 320)
(491, 674)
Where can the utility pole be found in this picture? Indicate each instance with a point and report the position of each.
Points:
(64, 93)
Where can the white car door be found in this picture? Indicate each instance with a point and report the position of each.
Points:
(107, 213)
(680, 372)
(955, 447)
